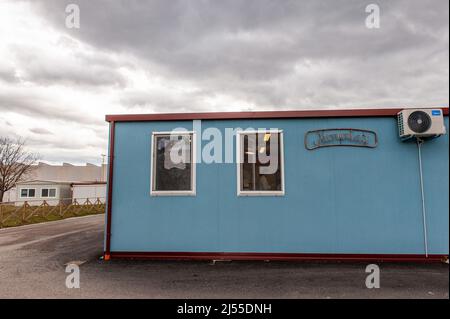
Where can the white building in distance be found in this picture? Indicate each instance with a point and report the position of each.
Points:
(36, 192)
(65, 173)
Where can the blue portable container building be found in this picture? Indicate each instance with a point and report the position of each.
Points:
(347, 188)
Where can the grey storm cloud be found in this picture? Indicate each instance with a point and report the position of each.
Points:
(38, 106)
(7, 74)
(152, 100)
(40, 131)
(77, 69)
(60, 144)
(253, 49)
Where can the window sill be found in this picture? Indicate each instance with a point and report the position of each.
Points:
(261, 193)
(172, 193)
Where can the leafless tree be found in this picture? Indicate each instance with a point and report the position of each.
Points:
(15, 163)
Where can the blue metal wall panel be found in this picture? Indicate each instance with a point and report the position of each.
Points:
(338, 200)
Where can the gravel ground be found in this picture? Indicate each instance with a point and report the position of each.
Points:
(33, 258)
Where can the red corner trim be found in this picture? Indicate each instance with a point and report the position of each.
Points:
(110, 190)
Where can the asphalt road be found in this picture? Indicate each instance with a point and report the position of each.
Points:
(33, 258)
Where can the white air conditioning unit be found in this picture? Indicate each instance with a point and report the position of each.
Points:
(421, 123)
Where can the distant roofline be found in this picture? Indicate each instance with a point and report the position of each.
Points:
(88, 183)
(260, 114)
(65, 164)
(42, 182)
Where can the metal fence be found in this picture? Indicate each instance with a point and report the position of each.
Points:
(34, 211)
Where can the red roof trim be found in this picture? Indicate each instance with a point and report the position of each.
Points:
(256, 115)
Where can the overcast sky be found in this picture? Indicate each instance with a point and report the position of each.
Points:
(57, 84)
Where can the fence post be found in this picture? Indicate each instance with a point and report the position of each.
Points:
(1, 215)
(24, 210)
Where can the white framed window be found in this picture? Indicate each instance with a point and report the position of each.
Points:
(48, 192)
(27, 192)
(260, 163)
(173, 164)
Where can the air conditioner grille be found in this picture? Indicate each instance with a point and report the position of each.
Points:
(401, 128)
(419, 122)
